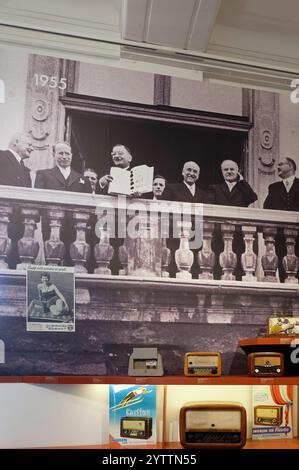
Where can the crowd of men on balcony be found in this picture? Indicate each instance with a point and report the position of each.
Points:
(233, 191)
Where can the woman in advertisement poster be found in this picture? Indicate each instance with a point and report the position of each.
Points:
(52, 299)
(49, 298)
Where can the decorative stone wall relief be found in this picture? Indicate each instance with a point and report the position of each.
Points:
(263, 144)
(48, 78)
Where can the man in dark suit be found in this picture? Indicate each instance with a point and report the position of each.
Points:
(234, 191)
(284, 195)
(13, 172)
(62, 177)
(121, 157)
(187, 190)
(159, 184)
(92, 176)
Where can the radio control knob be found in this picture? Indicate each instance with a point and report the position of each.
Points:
(278, 370)
(256, 371)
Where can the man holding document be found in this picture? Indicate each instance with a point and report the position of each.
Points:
(124, 180)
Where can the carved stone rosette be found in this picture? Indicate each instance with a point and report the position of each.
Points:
(290, 262)
(249, 258)
(228, 259)
(80, 249)
(206, 257)
(103, 252)
(183, 256)
(54, 247)
(44, 113)
(28, 247)
(5, 242)
(270, 260)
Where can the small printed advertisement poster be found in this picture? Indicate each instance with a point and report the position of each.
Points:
(132, 415)
(273, 412)
(50, 298)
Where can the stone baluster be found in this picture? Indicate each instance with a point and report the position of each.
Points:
(80, 249)
(270, 259)
(54, 247)
(28, 247)
(123, 259)
(103, 252)
(249, 258)
(143, 249)
(5, 242)
(206, 256)
(290, 262)
(166, 258)
(183, 256)
(228, 259)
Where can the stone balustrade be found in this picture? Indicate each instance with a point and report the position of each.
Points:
(87, 231)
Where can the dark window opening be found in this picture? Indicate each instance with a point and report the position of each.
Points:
(165, 145)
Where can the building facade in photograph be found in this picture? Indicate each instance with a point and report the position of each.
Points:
(152, 289)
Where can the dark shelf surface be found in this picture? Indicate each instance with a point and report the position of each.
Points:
(165, 380)
(250, 444)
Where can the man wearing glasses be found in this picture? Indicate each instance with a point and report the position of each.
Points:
(121, 157)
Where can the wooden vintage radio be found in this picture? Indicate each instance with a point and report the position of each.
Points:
(265, 364)
(268, 415)
(203, 364)
(136, 428)
(213, 425)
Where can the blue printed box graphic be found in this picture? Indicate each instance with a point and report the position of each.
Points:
(132, 414)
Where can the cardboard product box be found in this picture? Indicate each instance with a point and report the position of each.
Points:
(273, 412)
(132, 414)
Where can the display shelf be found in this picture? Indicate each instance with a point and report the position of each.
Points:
(280, 344)
(250, 444)
(165, 380)
(272, 444)
(268, 341)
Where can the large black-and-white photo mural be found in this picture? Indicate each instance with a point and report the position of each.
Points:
(174, 201)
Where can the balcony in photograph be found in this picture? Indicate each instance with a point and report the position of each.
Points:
(214, 271)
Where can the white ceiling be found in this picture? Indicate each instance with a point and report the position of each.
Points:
(251, 32)
(98, 19)
(265, 31)
(181, 24)
(260, 30)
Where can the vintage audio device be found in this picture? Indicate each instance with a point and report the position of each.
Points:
(265, 364)
(145, 362)
(136, 428)
(213, 425)
(203, 364)
(268, 415)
